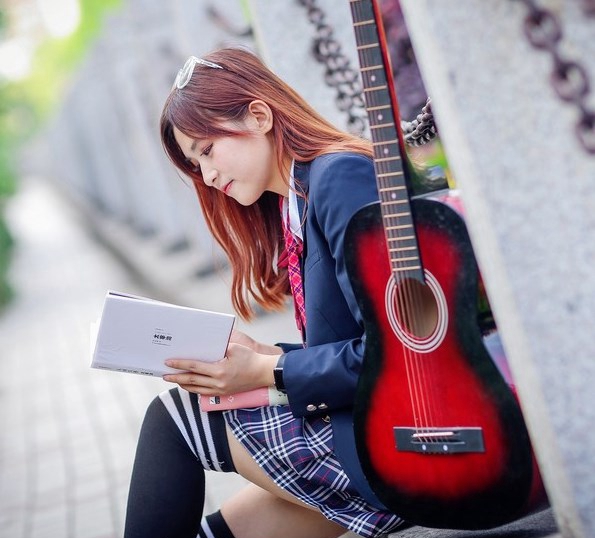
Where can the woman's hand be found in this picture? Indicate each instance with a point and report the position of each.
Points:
(242, 369)
(238, 337)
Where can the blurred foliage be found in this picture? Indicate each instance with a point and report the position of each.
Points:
(53, 65)
(428, 168)
(27, 103)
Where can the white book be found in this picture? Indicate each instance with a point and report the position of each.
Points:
(137, 334)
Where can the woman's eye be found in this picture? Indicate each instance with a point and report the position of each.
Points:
(207, 150)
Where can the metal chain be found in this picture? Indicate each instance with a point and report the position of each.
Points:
(350, 96)
(569, 78)
(422, 129)
(339, 74)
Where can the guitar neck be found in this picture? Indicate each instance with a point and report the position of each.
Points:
(387, 140)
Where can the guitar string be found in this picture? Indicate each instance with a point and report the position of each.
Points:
(411, 316)
(408, 305)
(408, 302)
(408, 296)
(404, 299)
(400, 302)
(371, 105)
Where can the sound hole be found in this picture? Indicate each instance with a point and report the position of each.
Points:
(416, 308)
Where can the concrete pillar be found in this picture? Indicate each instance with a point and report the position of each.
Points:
(284, 40)
(528, 190)
(89, 117)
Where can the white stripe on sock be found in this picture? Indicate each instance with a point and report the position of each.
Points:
(211, 444)
(170, 405)
(204, 526)
(204, 419)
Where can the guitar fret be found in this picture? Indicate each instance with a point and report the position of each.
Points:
(370, 46)
(389, 189)
(387, 202)
(363, 23)
(396, 215)
(380, 107)
(402, 238)
(391, 174)
(376, 88)
(381, 125)
(399, 227)
(401, 249)
(386, 159)
(372, 67)
(382, 143)
(408, 259)
(403, 269)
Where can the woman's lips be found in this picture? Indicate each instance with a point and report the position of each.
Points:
(227, 187)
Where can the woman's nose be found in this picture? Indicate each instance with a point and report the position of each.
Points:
(209, 176)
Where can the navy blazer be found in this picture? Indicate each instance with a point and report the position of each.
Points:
(321, 378)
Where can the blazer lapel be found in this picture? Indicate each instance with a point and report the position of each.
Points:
(301, 172)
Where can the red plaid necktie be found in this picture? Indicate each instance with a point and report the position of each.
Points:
(290, 258)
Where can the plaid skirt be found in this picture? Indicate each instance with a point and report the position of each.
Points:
(298, 455)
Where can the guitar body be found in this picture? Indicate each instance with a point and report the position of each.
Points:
(439, 431)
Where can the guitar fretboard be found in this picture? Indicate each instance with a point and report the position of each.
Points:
(388, 164)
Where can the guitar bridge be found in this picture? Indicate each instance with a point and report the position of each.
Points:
(439, 440)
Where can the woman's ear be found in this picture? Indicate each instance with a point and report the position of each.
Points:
(261, 114)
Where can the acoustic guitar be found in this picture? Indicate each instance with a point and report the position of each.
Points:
(440, 433)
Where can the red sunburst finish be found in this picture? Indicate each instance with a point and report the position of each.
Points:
(456, 385)
(464, 459)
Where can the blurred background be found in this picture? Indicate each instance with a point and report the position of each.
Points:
(88, 203)
(82, 83)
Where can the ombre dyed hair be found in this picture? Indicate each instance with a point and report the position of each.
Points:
(251, 236)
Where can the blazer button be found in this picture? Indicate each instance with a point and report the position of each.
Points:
(322, 407)
(310, 407)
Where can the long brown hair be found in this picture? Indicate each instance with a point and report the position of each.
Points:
(250, 235)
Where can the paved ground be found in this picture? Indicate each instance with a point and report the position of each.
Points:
(69, 432)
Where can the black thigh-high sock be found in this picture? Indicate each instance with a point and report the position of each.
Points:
(167, 488)
(214, 526)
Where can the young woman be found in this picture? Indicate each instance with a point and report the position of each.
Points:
(264, 162)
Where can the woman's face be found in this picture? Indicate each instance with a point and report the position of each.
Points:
(244, 166)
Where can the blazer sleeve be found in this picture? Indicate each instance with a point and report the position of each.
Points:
(323, 377)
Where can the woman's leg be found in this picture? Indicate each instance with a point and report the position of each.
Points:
(166, 479)
(177, 442)
(262, 509)
(251, 471)
(256, 513)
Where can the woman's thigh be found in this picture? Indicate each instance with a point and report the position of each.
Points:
(251, 471)
(254, 512)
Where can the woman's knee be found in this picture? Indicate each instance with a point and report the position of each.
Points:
(176, 415)
(156, 417)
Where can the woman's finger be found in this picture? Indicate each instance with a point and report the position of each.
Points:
(191, 379)
(192, 388)
(189, 365)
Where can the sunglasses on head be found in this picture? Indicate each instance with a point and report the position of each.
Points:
(185, 74)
